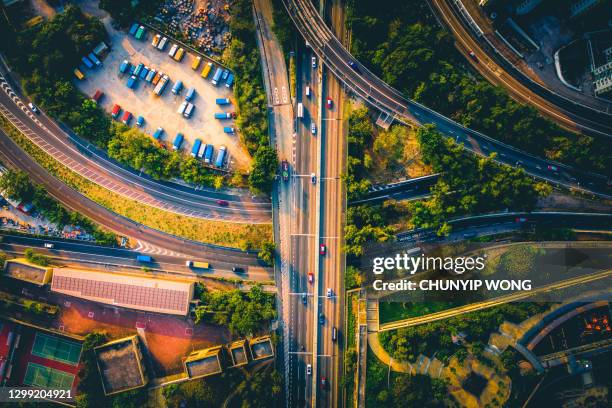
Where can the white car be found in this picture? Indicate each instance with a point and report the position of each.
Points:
(330, 292)
(309, 369)
(33, 107)
(313, 128)
(313, 178)
(48, 245)
(314, 61)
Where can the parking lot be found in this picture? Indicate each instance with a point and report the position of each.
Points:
(162, 111)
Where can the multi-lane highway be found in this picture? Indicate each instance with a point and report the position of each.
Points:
(388, 100)
(93, 256)
(93, 164)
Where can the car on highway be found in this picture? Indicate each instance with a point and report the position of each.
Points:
(313, 178)
(304, 300)
(354, 66)
(322, 249)
(285, 170)
(473, 56)
(309, 369)
(307, 91)
(329, 103)
(313, 61)
(140, 121)
(222, 203)
(237, 269)
(310, 278)
(521, 219)
(552, 168)
(313, 128)
(127, 117)
(323, 383)
(334, 334)
(33, 107)
(321, 318)
(330, 292)
(49, 245)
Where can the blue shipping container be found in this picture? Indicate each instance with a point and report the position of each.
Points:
(131, 82)
(124, 66)
(158, 133)
(230, 80)
(94, 59)
(225, 74)
(222, 101)
(208, 153)
(217, 76)
(190, 94)
(228, 130)
(221, 157)
(176, 89)
(178, 141)
(133, 29)
(139, 68)
(143, 73)
(150, 75)
(144, 258)
(87, 62)
(196, 147)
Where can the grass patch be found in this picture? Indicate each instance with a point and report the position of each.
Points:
(243, 236)
(392, 311)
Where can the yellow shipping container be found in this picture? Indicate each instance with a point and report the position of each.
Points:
(79, 74)
(207, 70)
(196, 62)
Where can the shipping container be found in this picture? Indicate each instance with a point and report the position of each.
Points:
(126, 118)
(178, 141)
(157, 77)
(206, 70)
(150, 75)
(95, 59)
(87, 62)
(208, 153)
(144, 258)
(196, 147)
(138, 68)
(228, 129)
(196, 264)
(223, 115)
(178, 86)
(173, 50)
(141, 33)
(143, 73)
(182, 108)
(230, 81)
(222, 101)
(196, 62)
(189, 110)
(225, 74)
(97, 96)
(190, 94)
(132, 81)
(158, 133)
(201, 150)
(220, 162)
(180, 53)
(162, 43)
(217, 76)
(133, 29)
(116, 111)
(156, 39)
(163, 82)
(125, 65)
(79, 74)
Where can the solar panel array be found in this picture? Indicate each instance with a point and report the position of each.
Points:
(124, 294)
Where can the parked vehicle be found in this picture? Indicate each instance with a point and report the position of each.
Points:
(191, 92)
(222, 101)
(127, 117)
(217, 76)
(97, 96)
(196, 147)
(180, 53)
(133, 29)
(158, 133)
(189, 110)
(206, 70)
(178, 141)
(144, 258)
(140, 121)
(225, 74)
(141, 33)
(87, 62)
(138, 68)
(150, 75)
(78, 74)
(162, 43)
(132, 81)
(116, 111)
(201, 151)
(156, 39)
(220, 162)
(143, 73)
(223, 115)
(94, 59)
(285, 170)
(173, 50)
(182, 108)
(163, 82)
(125, 65)
(230, 81)
(196, 62)
(178, 86)
(157, 77)
(228, 129)
(208, 153)
(197, 264)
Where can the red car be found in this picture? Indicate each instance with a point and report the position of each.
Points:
(115, 112)
(322, 249)
(310, 278)
(521, 219)
(329, 103)
(473, 56)
(127, 117)
(552, 168)
(222, 203)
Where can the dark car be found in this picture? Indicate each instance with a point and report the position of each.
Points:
(355, 67)
(222, 203)
(237, 269)
(285, 170)
(321, 318)
(323, 383)
(322, 249)
(473, 56)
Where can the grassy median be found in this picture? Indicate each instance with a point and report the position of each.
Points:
(243, 236)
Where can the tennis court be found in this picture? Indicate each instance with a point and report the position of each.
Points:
(55, 348)
(47, 377)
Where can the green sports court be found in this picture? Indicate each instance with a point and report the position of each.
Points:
(55, 348)
(47, 377)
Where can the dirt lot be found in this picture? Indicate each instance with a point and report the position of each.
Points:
(162, 112)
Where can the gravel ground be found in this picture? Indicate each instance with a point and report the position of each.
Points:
(161, 112)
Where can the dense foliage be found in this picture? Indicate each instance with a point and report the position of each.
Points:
(359, 137)
(243, 313)
(36, 258)
(261, 389)
(267, 253)
(469, 184)
(17, 186)
(403, 43)
(366, 224)
(90, 385)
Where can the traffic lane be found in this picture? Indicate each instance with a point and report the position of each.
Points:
(93, 161)
(11, 154)
(127, 258)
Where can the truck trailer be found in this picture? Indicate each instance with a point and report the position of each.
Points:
(222, 101)
(196, 147)
(178, 141)
(217, 76)
(206, 70)
(208, 153)
(221, 157)
(178, 86)
(144, 258)
(161, 85)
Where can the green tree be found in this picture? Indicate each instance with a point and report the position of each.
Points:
(16, 185)
(267, 252)
(264, 169)
(36, 258)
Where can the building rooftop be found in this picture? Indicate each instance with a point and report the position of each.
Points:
(237, 351)
(120, 365)
(152, 295)
(204, 362)
(25, 271)
(261, 348)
